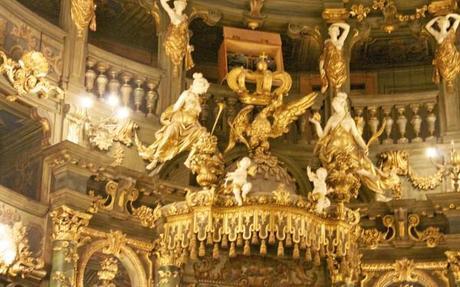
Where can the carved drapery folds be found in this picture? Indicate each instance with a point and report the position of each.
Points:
(83, 13)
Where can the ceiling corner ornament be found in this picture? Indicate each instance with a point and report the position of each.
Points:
(296, 31)
(254, 19)
(390, 12)
(28, 76)
(16, 259)
(210, 16)
(83, 13)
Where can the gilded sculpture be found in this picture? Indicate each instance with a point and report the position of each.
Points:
(177, 40)
(180, 126)
(83, 13)
(255, 134)
(28, 75)
(343, 152)
(447, 58)
(320, 189)
(239, 179)
(265, 81)
(332, 64)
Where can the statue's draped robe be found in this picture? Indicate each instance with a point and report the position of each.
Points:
(339, 144)
(447, 61)
(177, 45)
(180, 131)
(334, 71)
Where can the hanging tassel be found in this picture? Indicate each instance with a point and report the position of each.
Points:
(255, 238)
(263, 248)
(247, 248)
(317, 259)
(322, 251)
(209, 239)
(239, 240)
(271, 238)
(202, 250)
(215, 251)
(193, 251)
(224, 241)
(232, 251)
(288, 240)
(303, 243)
(280, 249)
(296, 251)
(308, 256)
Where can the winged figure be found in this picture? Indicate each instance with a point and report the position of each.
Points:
(271, 122)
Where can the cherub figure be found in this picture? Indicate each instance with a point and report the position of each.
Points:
(239, 178)
(320, 189)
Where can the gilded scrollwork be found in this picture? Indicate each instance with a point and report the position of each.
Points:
(27, 76)
(372, 237)
(17, 259)
(107, 272)
(397, 162)
(119, 196)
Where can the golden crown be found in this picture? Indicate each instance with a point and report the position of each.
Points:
(264, 80)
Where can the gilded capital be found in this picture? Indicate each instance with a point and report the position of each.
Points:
(67, 223)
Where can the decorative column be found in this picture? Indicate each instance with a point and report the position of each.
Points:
(67, 224)
(75, 45)
(169, 263)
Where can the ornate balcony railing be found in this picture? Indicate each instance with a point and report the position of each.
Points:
(408, 117)
(135, 84)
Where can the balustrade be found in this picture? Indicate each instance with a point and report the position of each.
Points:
(134, 84)
(408, 117)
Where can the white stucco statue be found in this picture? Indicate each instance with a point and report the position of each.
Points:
(239, 179)
(320, 189)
